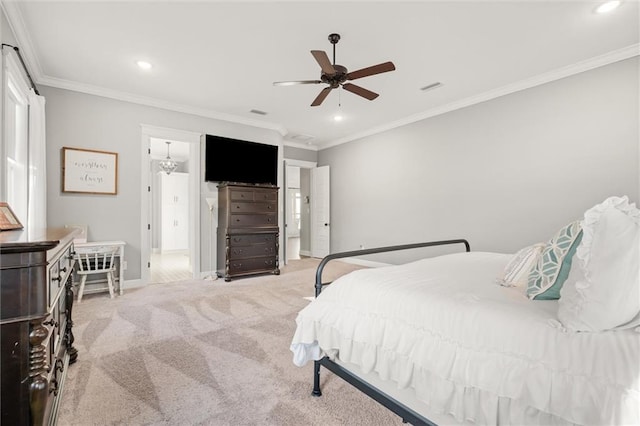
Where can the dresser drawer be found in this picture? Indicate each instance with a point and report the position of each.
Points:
(244, 252)
(249, 239)
(253, 220)
(253, 194)
(252, 265)
(241, 194)
(65, 263)
(55, 282)
(263, 207)
(265, 195)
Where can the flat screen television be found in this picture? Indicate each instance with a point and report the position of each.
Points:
(233, 160)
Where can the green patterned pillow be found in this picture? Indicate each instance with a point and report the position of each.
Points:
(553, 266)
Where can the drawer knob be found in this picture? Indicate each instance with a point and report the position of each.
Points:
(64, 269)
(58, 278)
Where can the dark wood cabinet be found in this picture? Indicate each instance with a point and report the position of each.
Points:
(248, 233)
(36, 300)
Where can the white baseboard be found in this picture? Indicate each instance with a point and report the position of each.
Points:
(305, 253)
(205, 275)
(129, 284)
(364, 262)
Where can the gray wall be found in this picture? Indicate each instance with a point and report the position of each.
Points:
(86, 121)
(503, 174)
(293, 153)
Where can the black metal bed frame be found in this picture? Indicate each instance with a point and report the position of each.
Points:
(407, 414)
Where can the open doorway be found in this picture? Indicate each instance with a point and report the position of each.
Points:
(297, 220)
(170, 208)
(297, 209)
(170, 256)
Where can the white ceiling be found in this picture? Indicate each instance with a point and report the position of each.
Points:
(220, 58)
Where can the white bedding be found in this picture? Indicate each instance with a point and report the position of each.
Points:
(465, 345)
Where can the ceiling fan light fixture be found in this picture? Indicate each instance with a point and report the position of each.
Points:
(336, 76)
(168, 165)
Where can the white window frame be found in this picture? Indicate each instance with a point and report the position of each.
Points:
(15, 189)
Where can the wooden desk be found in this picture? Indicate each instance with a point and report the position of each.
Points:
(93, 246)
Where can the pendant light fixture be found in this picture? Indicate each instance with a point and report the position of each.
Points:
(168, 165)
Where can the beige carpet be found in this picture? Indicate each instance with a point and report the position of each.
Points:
(205, 353)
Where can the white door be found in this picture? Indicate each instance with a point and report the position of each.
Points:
(174, 190)
(320, 210)
(293, 212)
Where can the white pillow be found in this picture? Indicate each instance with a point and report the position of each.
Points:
(602, 291)
(517, 270)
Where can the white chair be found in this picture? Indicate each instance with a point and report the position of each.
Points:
(98, 261)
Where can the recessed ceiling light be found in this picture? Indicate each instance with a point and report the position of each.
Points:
(337, 117)
(608, 6)
(144, 65)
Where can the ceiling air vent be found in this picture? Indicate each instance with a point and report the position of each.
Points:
(298, 137)
(431, 86)
(257, 111)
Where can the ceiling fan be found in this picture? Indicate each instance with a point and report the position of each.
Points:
(337, 75)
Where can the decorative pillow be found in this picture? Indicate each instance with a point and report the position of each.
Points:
(517, 270)
(603, 288)
(552, 268)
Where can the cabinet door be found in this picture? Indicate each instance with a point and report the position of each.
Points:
(174, 188)
(174, 215)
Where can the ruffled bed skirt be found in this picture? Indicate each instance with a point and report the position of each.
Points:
(525, 372)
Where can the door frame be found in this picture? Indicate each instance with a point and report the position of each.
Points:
(303, 165)
(193, 138)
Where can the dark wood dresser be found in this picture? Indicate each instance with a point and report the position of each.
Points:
(36, 298)
(248, 233)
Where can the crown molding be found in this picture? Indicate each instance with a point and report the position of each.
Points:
(16, 23)
(158, 103)
(557, 74)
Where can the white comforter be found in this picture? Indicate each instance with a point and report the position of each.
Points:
(443, 325)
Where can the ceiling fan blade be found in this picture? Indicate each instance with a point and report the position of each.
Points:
(323, 61)
(323, 94)
(376, 69)
(293, 83)
(360, 91)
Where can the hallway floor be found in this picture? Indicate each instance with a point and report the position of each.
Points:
(170, 267)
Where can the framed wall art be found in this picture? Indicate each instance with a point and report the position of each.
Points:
(89, 171)
(8, 219)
